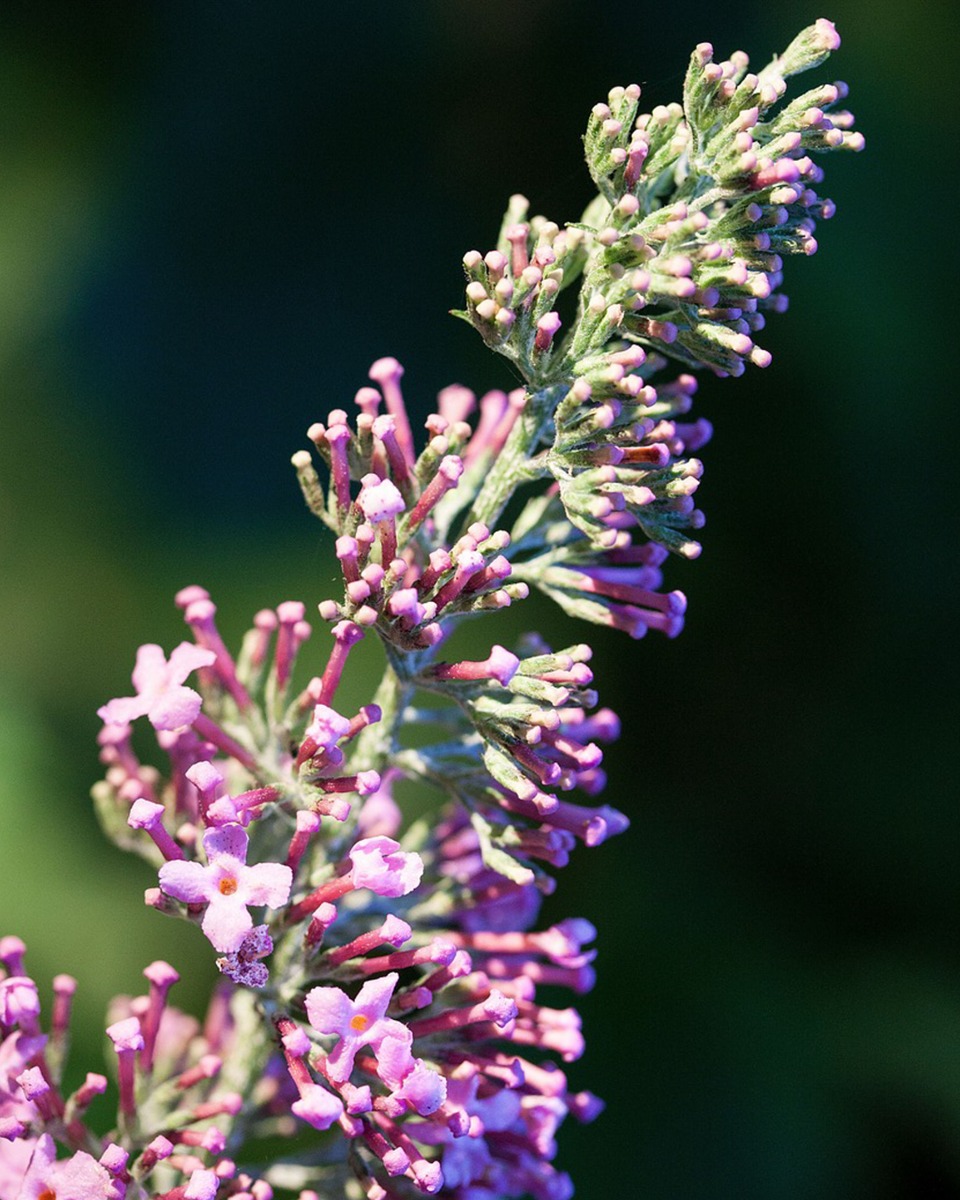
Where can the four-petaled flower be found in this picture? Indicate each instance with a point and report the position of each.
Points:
(227, 886)
(360, 1022)
(160, 692)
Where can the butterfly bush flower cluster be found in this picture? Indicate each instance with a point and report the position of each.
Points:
(381, 1015)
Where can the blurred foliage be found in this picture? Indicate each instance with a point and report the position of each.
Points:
(212, 218)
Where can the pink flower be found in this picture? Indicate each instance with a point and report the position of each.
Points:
(15, 1157)
(380, 865)
(379, 499)
(318, 1107)
(227, 886)
(160, 692)
(80, 1177)
(16, 1111)
(419, 1086)
(327, 727)
(360, 1022)
(19, 1002)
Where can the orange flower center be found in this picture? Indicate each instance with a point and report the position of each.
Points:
(47, 1194)
(228, 885)
(359, 1023)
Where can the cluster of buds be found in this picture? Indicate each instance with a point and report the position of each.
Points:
(621, 464)
(396, 974)
(679, 257)
(682, 248)
(379, 1003)
(173, 1100)
(402, 573)
(521, 732)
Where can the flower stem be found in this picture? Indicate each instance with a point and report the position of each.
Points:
(509, 469)
(378, 741)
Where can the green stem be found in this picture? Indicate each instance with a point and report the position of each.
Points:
(509, 469)
(253, 1044)
(378, 741)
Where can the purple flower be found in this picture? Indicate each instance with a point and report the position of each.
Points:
(227, 886)
(360, 1022)
(160, 692)
(241, 966)
(380, 865)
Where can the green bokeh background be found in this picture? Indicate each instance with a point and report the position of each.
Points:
(213, 217)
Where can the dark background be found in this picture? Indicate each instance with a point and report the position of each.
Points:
(213, 217)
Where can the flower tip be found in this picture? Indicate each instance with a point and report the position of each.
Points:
(144, 814)
(385, 369)
(451, 468)
(125, 1034)
(380, 499)
(11, 947)
(585, 1106)
(500, 1008)
(12, 1128)
(502, 665)
(827, 34)
(188, 595)
(396, 1162)
(161, 974)
(428, 1176)
(368, 782)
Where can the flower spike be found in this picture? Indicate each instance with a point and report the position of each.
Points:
(387, 991)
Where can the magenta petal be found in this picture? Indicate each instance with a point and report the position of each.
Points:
(187, 881)
(174, 708)
(188, 657)
(340, 1059)
(387, 1028)
(267, 883)
(150, 672)
(123, 709)
(374, 996)
(14, 1160)
(327, 726)
(328, 1009)
(499, 1111)
(82, 1175)
(226, 923)
(394, 1060)
(464, 1161)
(228, 840)
(44, 1156)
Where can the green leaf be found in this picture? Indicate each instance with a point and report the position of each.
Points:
(496, 858)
